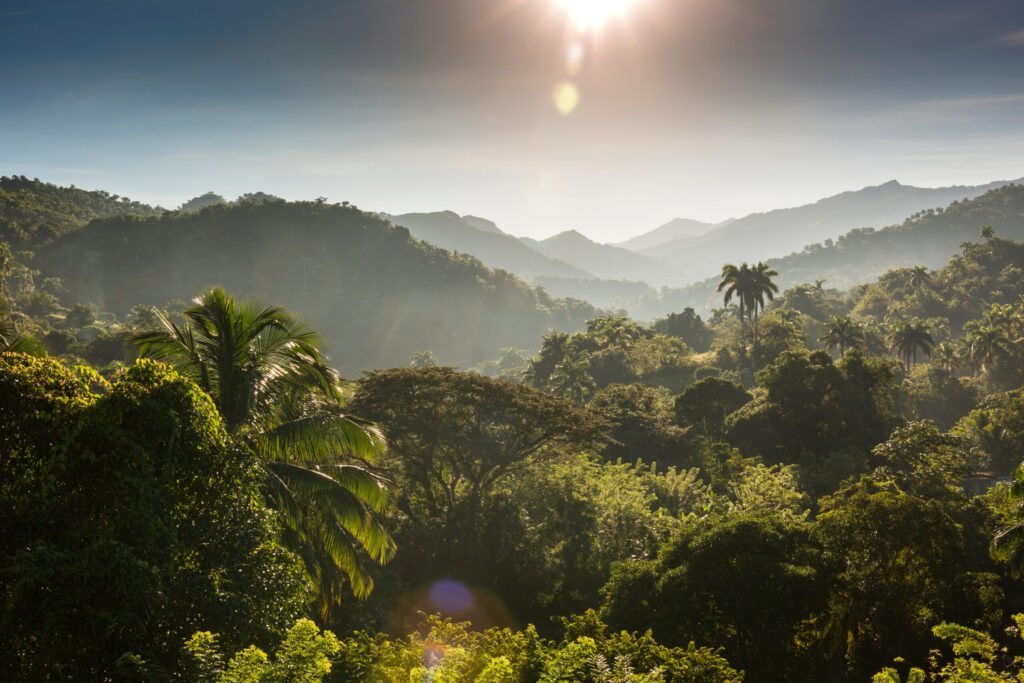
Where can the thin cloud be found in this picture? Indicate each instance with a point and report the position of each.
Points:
(953, 109)
(1015, 39)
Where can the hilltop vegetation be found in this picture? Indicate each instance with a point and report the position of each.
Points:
(377, 294)
(34, 213)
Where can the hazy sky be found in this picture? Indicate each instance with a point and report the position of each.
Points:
(698, 108)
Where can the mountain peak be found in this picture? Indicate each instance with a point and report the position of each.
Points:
(574, 235)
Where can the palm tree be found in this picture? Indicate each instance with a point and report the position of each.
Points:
(842, 334)
(738, 283)
(985, 343)
(616, 330)
(278, 397)
(987, 232)
(947, 355)
(15, 342)
(919, 278)
(763, 286)
(1002, 316)
(553, 348)
(907, 338)
(572, 378)
(750, 286)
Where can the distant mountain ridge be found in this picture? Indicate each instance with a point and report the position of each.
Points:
(768, 235)
(603, 260)
(483, 239)
(928, 238)
(676, 229)
(375, 292)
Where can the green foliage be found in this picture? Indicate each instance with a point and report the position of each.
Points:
(450, 652)
(33, 212)
(130, 511)
(455, 440)
(721, 582)
(813, 411)
(687, 326)
(977, 658)
(582, 516)
(771, 490)
(641, 425)
(899, 564)
(613, 350)
(304, 656)
(706, 403)
(995, 430)
(922, 460)
(277, 395)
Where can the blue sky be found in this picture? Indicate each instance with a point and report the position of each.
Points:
(697, 108)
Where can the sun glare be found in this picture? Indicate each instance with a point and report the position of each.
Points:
(593, 14)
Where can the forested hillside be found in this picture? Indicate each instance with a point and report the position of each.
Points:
(928, 238)
(33, 212)
(376, 293)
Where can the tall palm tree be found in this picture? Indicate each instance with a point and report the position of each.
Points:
(553, 348)
(907, 338)
(738, 283)
(842, 334)
(613, 330)
(985, 344)
(572, 378)
(763, 288)
(277, 395)
(750, 287)
(919, 278)
(946, 355)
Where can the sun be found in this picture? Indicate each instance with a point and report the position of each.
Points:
(593, 14)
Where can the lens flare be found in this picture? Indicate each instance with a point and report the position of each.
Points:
(593, 14)
(575, 53)
(450, 596)
(566, 97)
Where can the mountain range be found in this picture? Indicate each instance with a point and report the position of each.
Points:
(683, 250)
(676, 229)
(381, 291)
(484, 240)
(761, 236)
(605, 261)
(375, 292)
(927, 238)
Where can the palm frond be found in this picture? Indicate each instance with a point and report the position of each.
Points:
(322, 438)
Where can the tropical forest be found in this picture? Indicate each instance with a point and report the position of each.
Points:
(511, 341)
